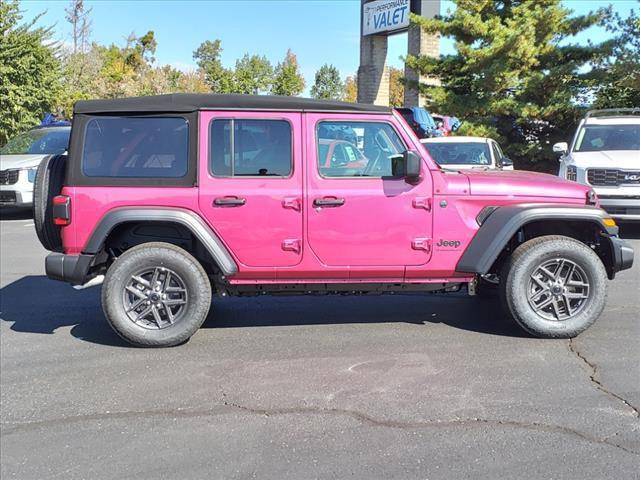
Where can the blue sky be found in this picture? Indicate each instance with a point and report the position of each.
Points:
(318, 31)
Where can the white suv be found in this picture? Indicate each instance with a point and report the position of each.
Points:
(605, 153)
(19, 160)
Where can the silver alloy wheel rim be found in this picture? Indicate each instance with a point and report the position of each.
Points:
(155, 298)
(558, 289)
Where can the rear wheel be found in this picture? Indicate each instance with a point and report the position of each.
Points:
(554, 286)
(48, 183)
(156, 294)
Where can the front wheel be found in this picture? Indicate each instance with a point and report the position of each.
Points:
(554, 286)
(156, 295)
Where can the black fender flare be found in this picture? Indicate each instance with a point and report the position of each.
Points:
(502, 224)
(187, 218)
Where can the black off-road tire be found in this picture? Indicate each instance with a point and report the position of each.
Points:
(152, 255)
(48, 183)
(515, 278)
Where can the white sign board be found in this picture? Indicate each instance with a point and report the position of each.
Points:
(383, 16)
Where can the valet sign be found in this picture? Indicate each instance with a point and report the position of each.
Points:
(384, 16)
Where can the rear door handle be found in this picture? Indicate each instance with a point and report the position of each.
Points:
(229, 202)
(328, 202)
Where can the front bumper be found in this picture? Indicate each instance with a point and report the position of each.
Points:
(73, 269)
(621, 208)
(622, 255)
(14, 196)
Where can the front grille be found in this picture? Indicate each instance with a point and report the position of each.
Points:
(622, 210)
(612, 178)
(9, 177)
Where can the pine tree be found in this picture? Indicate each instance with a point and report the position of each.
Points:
(207, 56)
(514, 70)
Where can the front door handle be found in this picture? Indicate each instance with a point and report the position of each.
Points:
(328, 202)
(229, 202)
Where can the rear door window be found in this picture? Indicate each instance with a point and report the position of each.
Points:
(134, 147)
(250, 148)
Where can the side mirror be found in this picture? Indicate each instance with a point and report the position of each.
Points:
(506, 162)
(561, 148)
(406, 166)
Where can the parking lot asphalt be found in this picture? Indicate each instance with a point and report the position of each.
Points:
(424, 387)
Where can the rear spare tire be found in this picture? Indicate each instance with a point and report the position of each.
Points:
(48, 183)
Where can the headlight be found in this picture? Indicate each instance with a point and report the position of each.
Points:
(572, 173)
(31, 174)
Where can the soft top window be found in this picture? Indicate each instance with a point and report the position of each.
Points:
(136, 147)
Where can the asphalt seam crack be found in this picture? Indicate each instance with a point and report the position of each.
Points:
(597, 383)
(366, 419)
(9, 428)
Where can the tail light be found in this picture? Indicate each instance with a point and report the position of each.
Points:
(61, 210)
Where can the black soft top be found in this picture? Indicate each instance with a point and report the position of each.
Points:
(191, 102)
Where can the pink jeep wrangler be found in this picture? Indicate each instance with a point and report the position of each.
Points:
(170, 199)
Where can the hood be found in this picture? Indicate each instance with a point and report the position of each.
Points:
(618, 159)
(20, 161)
(522, 184)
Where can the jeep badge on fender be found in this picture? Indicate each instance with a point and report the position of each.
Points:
(448, 243)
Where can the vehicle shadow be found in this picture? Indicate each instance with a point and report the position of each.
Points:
(35, 304)
(12, 213)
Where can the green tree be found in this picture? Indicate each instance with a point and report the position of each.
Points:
(287, 79)
(253, 74)
(207, 56)
(29, 72)
(618, 85)
(514, 70)
(328, 84)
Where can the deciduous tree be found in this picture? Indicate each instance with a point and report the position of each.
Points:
(328, 84)
(29, 72)
(350, 89)
(396, 87)
(253, 75)
(287, 79)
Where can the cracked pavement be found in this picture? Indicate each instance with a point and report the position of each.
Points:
(425, 387)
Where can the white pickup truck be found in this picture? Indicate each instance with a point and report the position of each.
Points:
(605, 154)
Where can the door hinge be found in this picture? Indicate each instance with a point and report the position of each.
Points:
(422, 202)
(292, 245)
(421, 244)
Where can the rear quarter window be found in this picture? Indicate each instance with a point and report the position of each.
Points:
(136, 147)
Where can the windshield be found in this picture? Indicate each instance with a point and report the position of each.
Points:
(596, 138)
(472, 153)
(45, 141)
